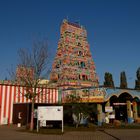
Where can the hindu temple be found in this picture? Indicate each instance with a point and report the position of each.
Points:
(73, 65)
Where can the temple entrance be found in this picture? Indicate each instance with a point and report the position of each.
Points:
(121, 112)
(120, 106)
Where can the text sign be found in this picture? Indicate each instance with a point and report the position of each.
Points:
(112, 116)
(108, 109)
(50, 113)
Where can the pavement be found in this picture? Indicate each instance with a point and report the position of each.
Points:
(12, 133)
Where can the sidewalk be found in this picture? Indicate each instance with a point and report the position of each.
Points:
(13, 133)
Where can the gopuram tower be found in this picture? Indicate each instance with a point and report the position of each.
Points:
(73, 66)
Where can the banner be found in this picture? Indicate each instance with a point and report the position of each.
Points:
(91, 95)
(50, 113)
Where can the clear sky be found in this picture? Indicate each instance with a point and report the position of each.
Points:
(113, 28)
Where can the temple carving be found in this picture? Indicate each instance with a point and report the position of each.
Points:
(73, 66)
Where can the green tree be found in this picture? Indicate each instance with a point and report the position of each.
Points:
(108, 80)
(137, 82)
(123, 80)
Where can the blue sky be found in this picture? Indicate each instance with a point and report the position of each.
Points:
(113, 28)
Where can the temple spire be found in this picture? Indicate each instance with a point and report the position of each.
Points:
(73, 65)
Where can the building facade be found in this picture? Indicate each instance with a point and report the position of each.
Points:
(11, 94)
(73, 72)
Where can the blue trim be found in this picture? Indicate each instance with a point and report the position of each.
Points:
(109, 92)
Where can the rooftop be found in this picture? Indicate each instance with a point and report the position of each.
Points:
(75, 24)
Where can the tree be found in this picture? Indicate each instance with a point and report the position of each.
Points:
(32, 64)
(123, 80)
(108, 80)
(137, 82)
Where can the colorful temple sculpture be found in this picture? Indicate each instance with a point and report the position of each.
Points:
(73, 65)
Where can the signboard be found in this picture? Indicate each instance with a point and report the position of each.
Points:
(119, 103)
(112, 116)
(92, 99)
(108, 109)
(49, 113)
(5, 121)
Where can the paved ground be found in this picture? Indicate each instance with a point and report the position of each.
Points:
(12, 133)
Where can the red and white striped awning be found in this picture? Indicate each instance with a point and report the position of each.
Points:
(10, 94)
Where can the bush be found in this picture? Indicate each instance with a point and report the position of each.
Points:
(117, 123)
(137, 120)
